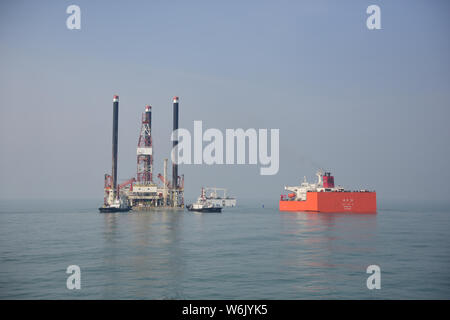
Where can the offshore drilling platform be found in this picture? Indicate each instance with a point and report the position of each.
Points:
(142, 192)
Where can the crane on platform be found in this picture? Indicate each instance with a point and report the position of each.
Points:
(128, 182)
(160, 177)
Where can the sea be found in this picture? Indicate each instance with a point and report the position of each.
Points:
(252, 251)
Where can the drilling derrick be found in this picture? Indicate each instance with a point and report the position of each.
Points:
(143, 192)
(144, 150)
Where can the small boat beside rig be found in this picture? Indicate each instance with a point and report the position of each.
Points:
(204, 205)
(115, 206)
(212, 202)
(323, 196)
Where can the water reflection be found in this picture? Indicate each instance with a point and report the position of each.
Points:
(326, 246)
(143, 254)
(110, 226)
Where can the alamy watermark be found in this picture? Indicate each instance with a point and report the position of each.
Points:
(374, 280)
(188, 152)
(74, 20)
(373, 22)
(74, 280)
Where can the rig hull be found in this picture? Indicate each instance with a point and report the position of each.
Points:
(113, 209)
(343, 201)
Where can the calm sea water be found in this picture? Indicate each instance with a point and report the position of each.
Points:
(249, 252)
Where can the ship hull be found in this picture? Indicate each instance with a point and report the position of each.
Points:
(355, 202)
(210, 209)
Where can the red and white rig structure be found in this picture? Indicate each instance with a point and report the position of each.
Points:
(143, 192)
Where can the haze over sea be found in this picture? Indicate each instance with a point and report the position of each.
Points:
(248, 252)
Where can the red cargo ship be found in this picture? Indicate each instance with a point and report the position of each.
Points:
(323, 196)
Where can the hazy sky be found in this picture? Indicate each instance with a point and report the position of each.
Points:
(372, 106)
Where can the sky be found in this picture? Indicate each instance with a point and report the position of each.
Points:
(372, 106)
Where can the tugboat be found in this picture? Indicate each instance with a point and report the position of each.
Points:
(115, 206)
(204, 205)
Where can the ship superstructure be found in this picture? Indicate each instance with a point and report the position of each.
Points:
(219, 196)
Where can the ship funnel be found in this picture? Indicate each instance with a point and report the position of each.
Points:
(328, 180)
